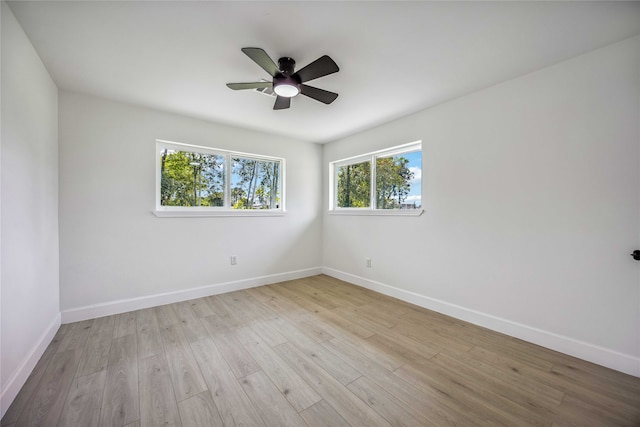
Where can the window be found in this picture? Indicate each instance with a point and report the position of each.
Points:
(255, 183)
(383, 182)
(354, 185)
(201, 181)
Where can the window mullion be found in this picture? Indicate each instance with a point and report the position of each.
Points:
(227, 181)
(372, 186)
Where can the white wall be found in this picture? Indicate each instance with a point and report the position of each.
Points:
(531, 197)
(29, 212)
(113, 248)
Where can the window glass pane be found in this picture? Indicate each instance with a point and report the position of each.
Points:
(255, 184)
(398, 181)
(354, 185)
(191, 179)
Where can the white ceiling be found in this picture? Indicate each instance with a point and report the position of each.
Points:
(395, 58)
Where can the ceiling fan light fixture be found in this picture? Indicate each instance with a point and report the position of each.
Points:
(286, 88)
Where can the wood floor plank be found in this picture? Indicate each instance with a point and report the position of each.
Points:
(401, 350)
(200, 307)
(594, 398)
(76, 337)
(199, 411)
(332, 282)
(120, 403)
(370, 351)
(430, 337)
(430, 405)
(48, 400)
(268, 333)
(386, 405)
(315, 331)
(276, 302)
(84, 401)
(157, 402)
(185, 373)
(335, 319)
(585, 414)
(347, 298)
(312, 294)
(609, 383)
(190, 323)
(64, 328)
(30, 386)
(233, 302)
(244, 305)
(272, 405)
(237, 357)
(297, 392)
(503, 395)
(372, 313)
(320, 287)
(509, 347)
(322, 414)
(350, 407)
(509, 363)
(215, 325)
(224, 313)
(413, 350)
(479, 403)
(96, 355)
(364, 293)
(302, 300)
(233, 405)
(148, 330)
(449, 401)
(331, 363)
(586, 370)
(166, 316)
(125, 324)
(391, 306)
(542, 394)
(451, 328)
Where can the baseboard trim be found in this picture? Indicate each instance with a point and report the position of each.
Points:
(583, 350)
(19, 377)
(131, 304)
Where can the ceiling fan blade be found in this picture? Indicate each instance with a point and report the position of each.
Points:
(321, 67)
(255, 85)
(282, 103)
(318, 94)
(261, 58)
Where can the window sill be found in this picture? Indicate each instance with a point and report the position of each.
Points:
(208, 213)
(377, 212)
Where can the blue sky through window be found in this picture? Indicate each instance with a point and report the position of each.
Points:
(415, 166)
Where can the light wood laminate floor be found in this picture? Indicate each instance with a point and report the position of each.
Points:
(317, 352)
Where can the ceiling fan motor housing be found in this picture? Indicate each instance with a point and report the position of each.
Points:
(286, 65)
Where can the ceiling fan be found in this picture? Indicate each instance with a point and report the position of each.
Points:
(286, 83)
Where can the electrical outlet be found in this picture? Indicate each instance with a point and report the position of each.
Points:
(368, 262)
(234, 260)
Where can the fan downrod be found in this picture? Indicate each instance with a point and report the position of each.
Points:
(286, 65)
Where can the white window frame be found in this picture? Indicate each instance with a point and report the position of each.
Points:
(210, 211)
(371, 157)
